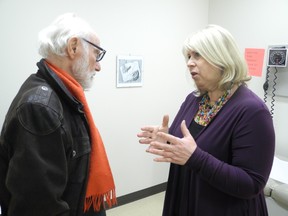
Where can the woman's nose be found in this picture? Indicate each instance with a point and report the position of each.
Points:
(191, 62)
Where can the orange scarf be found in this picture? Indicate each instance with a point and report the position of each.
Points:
(100, 187)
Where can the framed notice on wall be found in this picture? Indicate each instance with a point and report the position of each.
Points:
(129, 71)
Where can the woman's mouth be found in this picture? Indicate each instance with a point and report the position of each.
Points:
(193, 74)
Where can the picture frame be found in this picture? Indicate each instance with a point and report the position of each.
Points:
(129, 72)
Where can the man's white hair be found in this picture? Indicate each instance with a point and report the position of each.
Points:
(53, 39)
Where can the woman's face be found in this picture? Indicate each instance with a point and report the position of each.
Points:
(205, 75)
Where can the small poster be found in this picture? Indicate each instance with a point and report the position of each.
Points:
(129, 71)
(254, 59)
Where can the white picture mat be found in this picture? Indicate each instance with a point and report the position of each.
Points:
(129, 71)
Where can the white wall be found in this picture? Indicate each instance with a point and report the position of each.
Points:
(153, 29)
(257, 24)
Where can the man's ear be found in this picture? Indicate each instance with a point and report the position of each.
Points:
(72, 46)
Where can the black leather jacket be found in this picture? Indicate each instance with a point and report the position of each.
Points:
(44, 150)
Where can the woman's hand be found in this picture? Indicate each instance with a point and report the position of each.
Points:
(149, 133)
(179, 150)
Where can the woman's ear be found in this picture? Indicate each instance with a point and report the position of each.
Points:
(72, 46)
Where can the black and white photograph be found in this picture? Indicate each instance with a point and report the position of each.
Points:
(129, 71)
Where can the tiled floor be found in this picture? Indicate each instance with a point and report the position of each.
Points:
(149, 206)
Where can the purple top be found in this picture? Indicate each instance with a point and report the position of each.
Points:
(226, 174)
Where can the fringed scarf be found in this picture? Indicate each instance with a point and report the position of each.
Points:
(100, 186)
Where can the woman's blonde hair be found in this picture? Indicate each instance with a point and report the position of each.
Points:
(218, 47)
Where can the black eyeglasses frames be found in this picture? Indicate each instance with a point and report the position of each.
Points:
(100, 54)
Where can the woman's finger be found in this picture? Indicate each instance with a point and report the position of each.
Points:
(170, 138)
(165, 121)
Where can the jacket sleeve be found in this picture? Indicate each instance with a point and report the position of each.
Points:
(251, 154)
(37, 172)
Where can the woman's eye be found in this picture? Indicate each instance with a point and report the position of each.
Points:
(197, 55)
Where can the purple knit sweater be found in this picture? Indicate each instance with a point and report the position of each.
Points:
(226, 174)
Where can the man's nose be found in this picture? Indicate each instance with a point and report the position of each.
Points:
(97, 67)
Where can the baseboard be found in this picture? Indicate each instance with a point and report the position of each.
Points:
(122, 200)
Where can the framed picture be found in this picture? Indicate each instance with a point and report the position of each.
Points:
(129, 71)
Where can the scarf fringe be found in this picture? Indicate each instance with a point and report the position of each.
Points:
(98, 201)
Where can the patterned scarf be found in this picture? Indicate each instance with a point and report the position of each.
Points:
(100, 187)
(207, 112)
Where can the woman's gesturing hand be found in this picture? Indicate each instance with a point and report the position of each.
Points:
(179, 150)
(149, 133)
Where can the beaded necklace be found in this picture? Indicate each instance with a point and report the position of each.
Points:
(207, 112)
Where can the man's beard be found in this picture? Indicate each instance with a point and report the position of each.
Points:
(81, 73)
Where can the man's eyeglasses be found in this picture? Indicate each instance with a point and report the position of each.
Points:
(100, 54)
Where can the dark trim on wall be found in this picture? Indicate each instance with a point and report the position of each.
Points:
(122, 200)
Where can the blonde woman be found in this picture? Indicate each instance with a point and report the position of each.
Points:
(221, 143)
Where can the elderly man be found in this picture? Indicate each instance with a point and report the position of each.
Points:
(52, 158)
